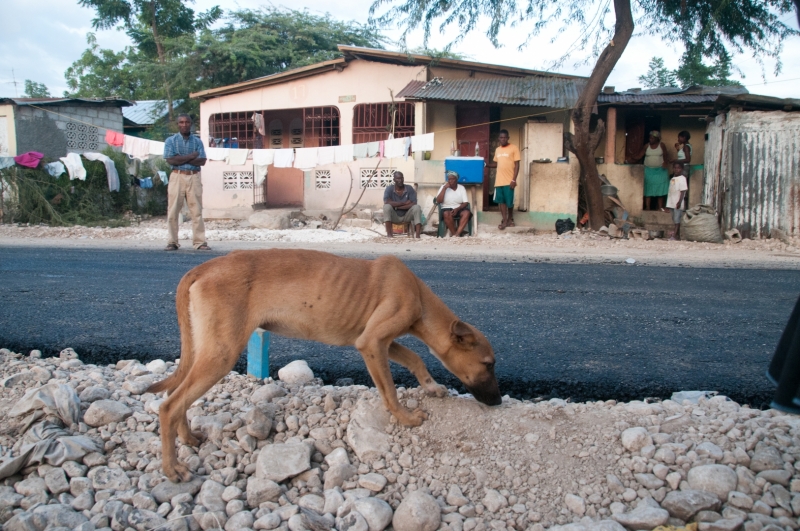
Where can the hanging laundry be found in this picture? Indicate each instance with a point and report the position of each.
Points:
(305, 158)
(406, 146)
(114, 138)
(393, 148)
(422, 142)
(345, 154)
(215, 153)
(55, 169)
(263, 157)
(156, 149)
(29, 160)
(381, 148)
(258, 121)
(6, 162)
(237, 157)
(260, 172)
(163, 176)
(111, 169)
(284, 158)
(326, 155)
(147, 182)
(74, 166)
(132, 165)
(361, 151)
(138, 148)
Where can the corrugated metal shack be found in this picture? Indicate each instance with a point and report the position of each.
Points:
(752, 164)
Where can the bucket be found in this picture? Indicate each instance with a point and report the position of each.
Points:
(607, 189)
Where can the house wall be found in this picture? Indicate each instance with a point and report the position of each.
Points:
(8, 140)
(553, 194)
(441, 117)
(65, 128)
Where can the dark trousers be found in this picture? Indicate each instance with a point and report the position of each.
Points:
(785, 367)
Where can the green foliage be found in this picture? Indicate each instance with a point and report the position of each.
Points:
(35, 90)
(658, 75)
(250, 44)
(40, 198)
(692, 70)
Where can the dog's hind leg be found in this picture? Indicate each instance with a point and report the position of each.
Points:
(411, 361)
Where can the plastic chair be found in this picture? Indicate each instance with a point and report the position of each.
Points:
(443, 228)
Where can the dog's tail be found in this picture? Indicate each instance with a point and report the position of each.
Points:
(172, 382)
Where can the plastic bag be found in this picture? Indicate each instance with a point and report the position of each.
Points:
(564, 225)
(699, 224)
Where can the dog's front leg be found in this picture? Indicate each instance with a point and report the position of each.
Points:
(411, 361)
(376, 357)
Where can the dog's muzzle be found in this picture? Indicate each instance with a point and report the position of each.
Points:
(487, 393)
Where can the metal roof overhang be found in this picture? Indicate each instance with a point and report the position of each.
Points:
(529, 91)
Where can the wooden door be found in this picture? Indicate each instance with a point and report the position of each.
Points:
(284, 187)
(472, 122)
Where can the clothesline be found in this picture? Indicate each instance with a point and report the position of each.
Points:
(71, 163)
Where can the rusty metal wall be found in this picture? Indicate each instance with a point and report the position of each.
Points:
(757, 187)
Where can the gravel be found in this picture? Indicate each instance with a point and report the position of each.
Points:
(311, 456)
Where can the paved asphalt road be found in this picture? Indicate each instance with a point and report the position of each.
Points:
(580, 331)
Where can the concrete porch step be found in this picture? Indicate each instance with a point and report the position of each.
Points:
(656, 220)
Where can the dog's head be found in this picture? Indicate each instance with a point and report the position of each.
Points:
(471, 358)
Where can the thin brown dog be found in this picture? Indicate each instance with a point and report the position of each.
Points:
(322, 297)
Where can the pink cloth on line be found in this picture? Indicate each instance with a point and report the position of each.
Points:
(381, 147)
(29, 160)
(114, 138)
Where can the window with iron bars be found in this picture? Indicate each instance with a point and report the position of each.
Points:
(380, 178)
(320, 129)
(373, 121)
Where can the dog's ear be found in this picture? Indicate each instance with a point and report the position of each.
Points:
(462, 334)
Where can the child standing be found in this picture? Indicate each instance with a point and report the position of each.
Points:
(677, 191)
(683, 153)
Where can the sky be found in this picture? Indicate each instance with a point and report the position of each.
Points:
(42, 50)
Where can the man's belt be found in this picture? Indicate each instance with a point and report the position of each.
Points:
(186, 172)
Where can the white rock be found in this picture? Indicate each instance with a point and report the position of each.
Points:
(337, 457)
(353, 521)
(103, 412)
(417, 512)
(94, 393)
(104, 478)
(709, 449)
(494, 501)
(684, 504)
(210, 496)
(312, 502)
(333, 500)
(455, 497)
(718, 479)
(634, 439)
(157, 366)
(267, 392)
(266, 219)
(376, 512)
(280, 461)
(373, 481)
(366, 431)
(240, 520)
(297, 372)
(576, 504)
(268, 521)
(643, 517)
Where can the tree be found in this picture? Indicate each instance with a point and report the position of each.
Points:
(149, 22)
(692, 70)
(711, 25)
(35, 90)
(658, 75)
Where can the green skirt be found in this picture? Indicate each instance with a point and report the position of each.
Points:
(656, 182)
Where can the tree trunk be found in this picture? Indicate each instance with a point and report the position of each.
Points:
(162, 58)
(584, 142)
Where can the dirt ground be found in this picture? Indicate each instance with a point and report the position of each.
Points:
(492, 246)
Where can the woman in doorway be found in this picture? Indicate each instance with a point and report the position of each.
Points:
(656, 176)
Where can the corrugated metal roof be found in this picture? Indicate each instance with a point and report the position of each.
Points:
(146, 112)
(531, 91)
(657, 98)
(59, 101)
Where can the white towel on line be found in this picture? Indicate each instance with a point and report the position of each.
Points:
(343, 154)
(138, 148)
(305, 158)
(261, 173)
(263, 157)
(237, 157)
(284, 158)
(393, 148)
(373, 148)
(74, 166)
(406, 146)
(422, 142)
(326, 155)
(156, 148)
(111, 169)
(216, 153)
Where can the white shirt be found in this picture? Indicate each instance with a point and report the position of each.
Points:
(453, 198)
(676, 185)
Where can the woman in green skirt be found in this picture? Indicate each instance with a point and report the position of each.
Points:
(656, 175)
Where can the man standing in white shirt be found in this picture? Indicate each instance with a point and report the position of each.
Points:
(454, 204)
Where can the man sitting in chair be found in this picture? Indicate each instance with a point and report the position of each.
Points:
(452, 198)
(400, 205)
